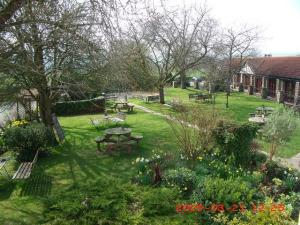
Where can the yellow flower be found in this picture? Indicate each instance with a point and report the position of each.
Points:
(200, 158)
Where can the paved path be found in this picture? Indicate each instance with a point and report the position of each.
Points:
(162, 115)
(293, 162)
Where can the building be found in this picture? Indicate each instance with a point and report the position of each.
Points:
(270, 77)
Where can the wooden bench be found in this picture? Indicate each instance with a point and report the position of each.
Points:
(152, 98)
(194, 95)
(25, 169)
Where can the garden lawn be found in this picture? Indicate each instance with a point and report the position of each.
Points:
(240, 105)
(75, 162)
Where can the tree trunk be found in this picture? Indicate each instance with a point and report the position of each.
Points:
(227, 100)
(161, 95)
(183, 80)
(157, 176)
(45, 106)
(227, 95)
(272, 151)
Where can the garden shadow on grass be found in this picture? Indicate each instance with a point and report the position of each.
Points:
(6, 189)
(38, 184)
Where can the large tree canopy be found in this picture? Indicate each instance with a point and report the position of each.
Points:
(59, 39)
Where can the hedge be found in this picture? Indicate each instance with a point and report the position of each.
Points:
(95, 105)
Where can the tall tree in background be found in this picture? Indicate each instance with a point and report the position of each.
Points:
(173, 42)
(234, 48)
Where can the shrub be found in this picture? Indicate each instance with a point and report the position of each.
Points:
(101, 202)
(263, 217)
(183, 178)
(150, 169)
(279, 128)
(159, 201)
(292, 203)
(96, 105)
(18, 123)
(109, 201)
(193, 128)
(26, 140)
(234, 141)
(227, 192)
(273, 170)
(257, 159)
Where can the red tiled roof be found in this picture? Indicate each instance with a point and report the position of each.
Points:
(288, 67)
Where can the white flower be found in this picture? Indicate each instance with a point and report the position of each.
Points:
(142, 159)
(146, 160)
(137, 159)
(296, 178)
(158, 156)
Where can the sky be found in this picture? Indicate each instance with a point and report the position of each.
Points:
(279, 21)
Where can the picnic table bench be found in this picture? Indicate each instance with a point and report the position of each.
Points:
(118, 106)
(152, 98)
(128, 139)
(194, 95)
(25, 169)
(203, 97)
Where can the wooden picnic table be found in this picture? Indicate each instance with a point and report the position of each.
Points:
(129, 141)
(264, 110)
(258, 120)
(152, 98)
(118, 131)
(118, 106)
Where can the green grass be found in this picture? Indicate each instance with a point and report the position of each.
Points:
(76, 161)
(240, 105)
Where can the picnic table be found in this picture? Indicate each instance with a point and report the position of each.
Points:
(127, 141)
(118, 131)
(152, 98)
(194, 95)
(118, 106)
(204, 97)
(258, 120)
(264, 110)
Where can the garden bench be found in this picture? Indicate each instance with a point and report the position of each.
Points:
(152, 98)
(25, 169)
(194, 95)
(137, 138)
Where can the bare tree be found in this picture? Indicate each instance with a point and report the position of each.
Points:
(234, 48)
(47, 44)
(173, 42)
(7, 10)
